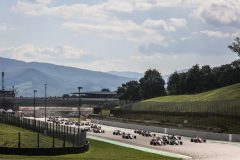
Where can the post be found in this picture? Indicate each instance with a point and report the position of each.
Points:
(73, 137)
(19, 140)
(64, 137)
(78, 137)
(34, 107)
(38, 140)
(45, 104)
(53, 140)
(79, 104)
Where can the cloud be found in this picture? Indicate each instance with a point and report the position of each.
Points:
(30, 52)
(224, 12)
(137, 5)
(215, 34)
(76, 11)
(4, 27)
(121, 29)
(170, 26)
(41, 7)
(196, 44)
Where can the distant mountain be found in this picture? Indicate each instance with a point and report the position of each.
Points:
(60, 79)
(134, 75)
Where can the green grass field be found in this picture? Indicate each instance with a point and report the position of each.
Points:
(98, 150)
(9, 138)
(222, 100)
(226, 93)
(217, 110)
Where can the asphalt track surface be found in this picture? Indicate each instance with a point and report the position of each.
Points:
(211, 150)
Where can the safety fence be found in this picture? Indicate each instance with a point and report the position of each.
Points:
(42, 136)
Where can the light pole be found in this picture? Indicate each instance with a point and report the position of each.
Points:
(34, 107)
(45, 104)
(79, 104)
(34, 104)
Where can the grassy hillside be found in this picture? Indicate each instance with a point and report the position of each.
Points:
(219, 100)
(98, 150)
(226, 93)
(217, 110)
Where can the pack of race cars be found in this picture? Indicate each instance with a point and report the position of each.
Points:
(156, 140)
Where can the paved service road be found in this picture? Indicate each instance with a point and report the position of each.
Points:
(212, 150)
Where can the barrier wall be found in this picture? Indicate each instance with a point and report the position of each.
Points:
(44, 151)
(187, 133)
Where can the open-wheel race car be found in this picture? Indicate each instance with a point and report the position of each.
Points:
(173, 140)
(98, 130)
(117, 132)
(138, 131)
(95, 126)
(198, 140)
(147, 134)
(88, 129)
(157, 141)
(128, 136)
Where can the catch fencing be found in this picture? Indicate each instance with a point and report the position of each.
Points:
(214, 116)
(45, 136)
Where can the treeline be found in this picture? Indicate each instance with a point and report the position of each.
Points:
(149, 86)
(197, 80)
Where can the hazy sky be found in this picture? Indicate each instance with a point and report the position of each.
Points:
(122, 35)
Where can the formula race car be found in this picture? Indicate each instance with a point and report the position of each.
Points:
(147, 134)
(198, 140)
(138, 131)
(88, 129)
(95, 126)
(157, 141)
(98, 130)
(174, 137)
(172, 140)
(128, 136)
(117, 132)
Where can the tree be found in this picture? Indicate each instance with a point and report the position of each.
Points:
(152, 84)
(193, 80)
(65, 96)
(122, 93)
(173, 84)
(105, 90)
(235, 47)
(131, 91)
(207, 79)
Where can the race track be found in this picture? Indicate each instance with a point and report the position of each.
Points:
(212, 150)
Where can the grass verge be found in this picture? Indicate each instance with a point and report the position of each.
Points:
(98, 150)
